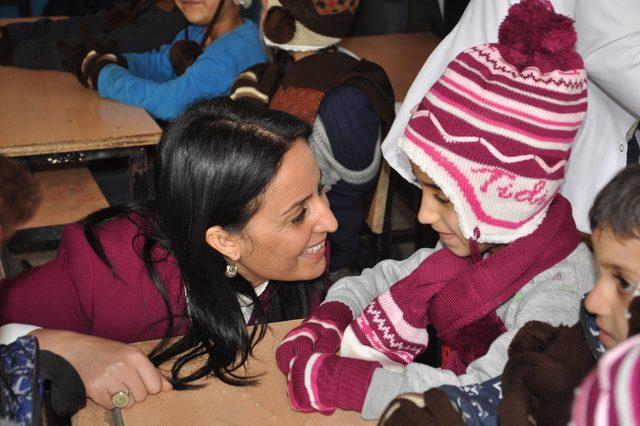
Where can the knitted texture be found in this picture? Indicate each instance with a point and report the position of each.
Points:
(323, 382)
(610, 395)
(300, 102)
(321, 332)
(307, 25)
(494, 135)
(458, 297)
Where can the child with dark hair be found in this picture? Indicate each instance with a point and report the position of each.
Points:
(547, 363)
(19, 196)
(25, 368)
(610, 394)
(202, 62)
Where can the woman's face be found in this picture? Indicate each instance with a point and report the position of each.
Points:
(285, 239)
(199, 12)
(618, 263)
(436, 210)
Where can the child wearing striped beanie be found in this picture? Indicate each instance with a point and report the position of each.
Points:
(546, 364)
(488, 145)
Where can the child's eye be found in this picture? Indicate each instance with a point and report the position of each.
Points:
(624, 286)
(440, 198)
(300, 216)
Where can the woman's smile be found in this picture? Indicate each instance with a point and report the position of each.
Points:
(316, 251)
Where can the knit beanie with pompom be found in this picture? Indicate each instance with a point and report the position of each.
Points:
(495, 131)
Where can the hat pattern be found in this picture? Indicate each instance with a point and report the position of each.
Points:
(496, 138)
(330, 7)
(307, 25)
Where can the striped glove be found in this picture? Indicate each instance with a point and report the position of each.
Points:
(321, 332)
(323, 382)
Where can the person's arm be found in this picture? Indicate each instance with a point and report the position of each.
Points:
(154, 65)
(358, 291)
(105, 366)
(553, 297)
(211, 75)
(47, 295)
(609, 42)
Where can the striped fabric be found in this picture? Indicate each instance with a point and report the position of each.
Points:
(610, 395)
(323, 382)
(321, 332)
(496, 138)
(317, 24)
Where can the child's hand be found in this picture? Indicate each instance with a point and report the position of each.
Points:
(334, 382)
(87, 59)
(321, 332)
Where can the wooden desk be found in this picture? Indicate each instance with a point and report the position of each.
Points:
(221, 404)
(47, 117)
(401, 55)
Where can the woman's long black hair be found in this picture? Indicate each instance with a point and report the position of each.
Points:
(215, 162)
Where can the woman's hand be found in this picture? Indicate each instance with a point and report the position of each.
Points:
(105, 366)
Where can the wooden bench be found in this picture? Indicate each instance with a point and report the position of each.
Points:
(68, 195)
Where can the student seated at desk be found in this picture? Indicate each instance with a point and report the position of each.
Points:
(487, 145)
(348, 101)
(546, 363)
(202, 62)
(235, 236)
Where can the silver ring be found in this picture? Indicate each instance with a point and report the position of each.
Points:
(120, 399)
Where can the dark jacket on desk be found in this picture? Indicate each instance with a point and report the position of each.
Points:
(76, 291)
(34, 44)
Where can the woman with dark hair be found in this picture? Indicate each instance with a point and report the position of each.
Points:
(234, 236)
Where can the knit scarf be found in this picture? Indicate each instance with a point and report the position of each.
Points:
(465, 295)
(300, 89)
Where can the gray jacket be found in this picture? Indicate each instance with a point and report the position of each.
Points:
(552, 296)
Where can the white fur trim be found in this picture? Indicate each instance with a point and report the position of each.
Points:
(467, 220)
(251, 92)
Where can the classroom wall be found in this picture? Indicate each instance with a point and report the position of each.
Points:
(8, 8)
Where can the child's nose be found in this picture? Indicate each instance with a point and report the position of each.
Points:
(596, 301)
(429, 212)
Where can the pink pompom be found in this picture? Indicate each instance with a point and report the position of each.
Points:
(533, 34)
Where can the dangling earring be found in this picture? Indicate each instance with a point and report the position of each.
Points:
(231, 270)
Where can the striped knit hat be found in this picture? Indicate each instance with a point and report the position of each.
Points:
(610, 395)
(495, 131)
(307, 25)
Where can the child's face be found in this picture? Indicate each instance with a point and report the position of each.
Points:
(436, 210)
(198, 12)
(618, 263)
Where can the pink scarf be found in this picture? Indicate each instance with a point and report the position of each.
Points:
(465, 295)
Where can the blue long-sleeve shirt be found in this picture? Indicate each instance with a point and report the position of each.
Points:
(150, 82)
